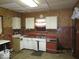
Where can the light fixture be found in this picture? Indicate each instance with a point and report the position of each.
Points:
(30, 3)
(40, 20)
(40, 24)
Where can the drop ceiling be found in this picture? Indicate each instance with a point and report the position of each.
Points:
(44, 5)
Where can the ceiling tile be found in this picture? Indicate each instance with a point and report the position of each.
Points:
(18, 6)
(6, 1)
(59, 4)
(12, 6)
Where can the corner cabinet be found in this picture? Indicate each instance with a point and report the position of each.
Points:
(31, 43)
(16, 23)
(51, 22)
(29, 23)
(16, 42)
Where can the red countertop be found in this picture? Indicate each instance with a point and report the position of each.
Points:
(53, 35)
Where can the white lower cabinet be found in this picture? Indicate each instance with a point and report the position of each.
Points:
(21, 45)
(42, 46)
(25, 43)
(34, 44)
(31, 43)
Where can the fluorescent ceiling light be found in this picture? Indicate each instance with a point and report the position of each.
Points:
(36, 1)
(30, 3)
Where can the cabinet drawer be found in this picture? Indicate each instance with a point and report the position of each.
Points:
(51, 46)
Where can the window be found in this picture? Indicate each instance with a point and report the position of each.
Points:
(1, 24)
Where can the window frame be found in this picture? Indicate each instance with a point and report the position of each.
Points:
(1, 24)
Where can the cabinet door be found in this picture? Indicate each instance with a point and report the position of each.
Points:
(29, 43)
(34, 44)
(16, 44)
(21, 44)
(29, 23)
(16, 23)
(42, 46)
(51, 22)
(24, 43)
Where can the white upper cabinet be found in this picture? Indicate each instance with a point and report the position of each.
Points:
(29, 23)
(16, 23)
(51, 22)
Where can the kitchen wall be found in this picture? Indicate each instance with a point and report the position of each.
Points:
(7, 22)
(62, 15)
(64, 24)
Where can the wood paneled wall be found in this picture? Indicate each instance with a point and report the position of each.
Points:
(64, 24)
(76, 36)
(64, 16)
(77, 5)
(7, 21)
(64, 20)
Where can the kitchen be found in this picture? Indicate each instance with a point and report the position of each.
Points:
(47, 28)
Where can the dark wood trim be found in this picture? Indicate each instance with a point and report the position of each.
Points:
(74, 36)
(76, 4)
